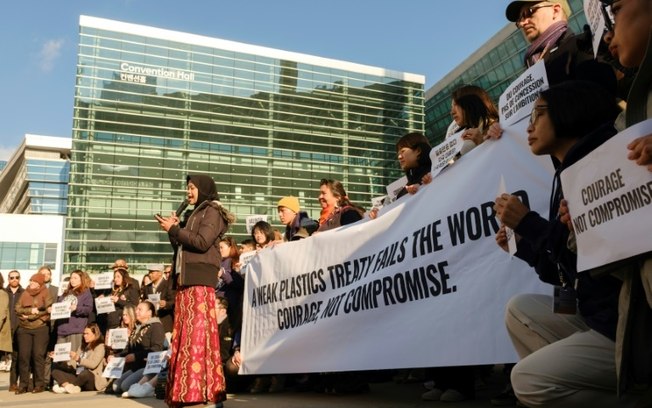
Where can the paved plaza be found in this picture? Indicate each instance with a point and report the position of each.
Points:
(381, 395)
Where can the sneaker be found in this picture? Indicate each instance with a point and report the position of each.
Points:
(141, 390)
(125, 394)
(451, 395)
(505, 398)
(432, 395)
(57, 389)
(72, 389)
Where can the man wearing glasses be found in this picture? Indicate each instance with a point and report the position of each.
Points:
(14, 290)
(544, 25)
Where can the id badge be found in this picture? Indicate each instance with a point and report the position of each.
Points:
(565, 301)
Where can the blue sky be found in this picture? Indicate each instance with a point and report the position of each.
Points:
(39, 41)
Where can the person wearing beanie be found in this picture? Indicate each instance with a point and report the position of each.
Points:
(195, 268)
(33, 333)
(298, 224)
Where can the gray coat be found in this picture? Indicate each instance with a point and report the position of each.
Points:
(5, 322)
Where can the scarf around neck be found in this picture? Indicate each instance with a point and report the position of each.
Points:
(542, 45)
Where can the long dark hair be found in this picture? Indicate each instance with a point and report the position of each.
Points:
(99, 337)
(266, 229)
(82, 286)
(476, 104)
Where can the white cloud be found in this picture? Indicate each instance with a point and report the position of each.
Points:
(50, 51)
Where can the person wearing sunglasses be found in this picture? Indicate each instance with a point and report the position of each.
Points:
(567, 56)
(14, 290)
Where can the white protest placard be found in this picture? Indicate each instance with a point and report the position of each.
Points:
(519, 97)
(610, 202)
(155, 362)
(245, 257)
(155, 298)
(103, 280)
(117, 338)
(428, 266)
(62, 352)
(395, 187)
(511, 237)
(104, 304)
(114, 368)
(442, 154)
(251, 220)
(593, 13)
(60, 310)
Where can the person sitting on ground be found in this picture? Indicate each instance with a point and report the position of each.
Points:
(148, 337)
(84, 370)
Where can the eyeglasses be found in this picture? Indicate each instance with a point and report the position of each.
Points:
(14, 277)
(534, 115)
(529, 12)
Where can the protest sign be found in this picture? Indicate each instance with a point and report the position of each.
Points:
(60, 310)
(519, 97)
(595, 18)
(104, 304)
(443, 154)
(610, 202)
(103, 280)
(245, 257)
(155, 298)
(114, 367)
(62, 352)
(251, 220)
(422, 285)
(155, 362)
(395, 187)
(117, 338)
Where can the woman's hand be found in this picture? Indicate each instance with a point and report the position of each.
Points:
(412, 188)
(167, 222)
(130, 358)
(641, 151)
(237, 358)
(73, 356)
(494, 132)
(427, 178)
(564, 215)
(474, 135)
(510, 210)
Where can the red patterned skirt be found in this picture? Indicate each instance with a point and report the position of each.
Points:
(196, 374)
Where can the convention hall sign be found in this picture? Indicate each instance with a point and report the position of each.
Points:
(422, 285)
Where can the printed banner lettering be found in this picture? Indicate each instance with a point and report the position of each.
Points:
(519, 97)
(610, 196)
(422, 285)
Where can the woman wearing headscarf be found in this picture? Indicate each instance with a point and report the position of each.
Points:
(33, 332)
(195, 373)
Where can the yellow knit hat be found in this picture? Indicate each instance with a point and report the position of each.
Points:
(290, 202)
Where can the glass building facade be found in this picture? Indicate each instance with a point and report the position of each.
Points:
(493, 67)
(152, 106)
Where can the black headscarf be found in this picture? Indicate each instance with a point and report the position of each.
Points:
(205, 186)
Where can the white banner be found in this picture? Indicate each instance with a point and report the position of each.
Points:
(422, 285)
(610, 199)
(519, 97)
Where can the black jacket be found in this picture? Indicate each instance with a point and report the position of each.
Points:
(544, 246)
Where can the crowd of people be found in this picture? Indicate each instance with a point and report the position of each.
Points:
(593, 350)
